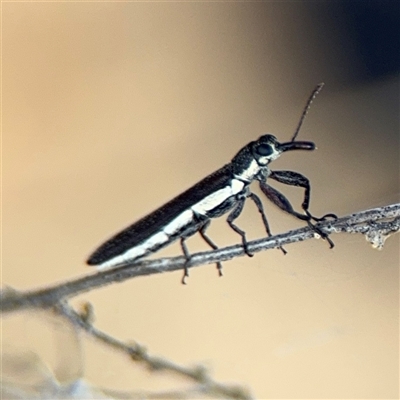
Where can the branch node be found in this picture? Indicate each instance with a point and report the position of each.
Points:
(200, 373)
(138, 352)
(86, 313)
(378, 233)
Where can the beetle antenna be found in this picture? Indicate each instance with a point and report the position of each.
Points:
(314, 93)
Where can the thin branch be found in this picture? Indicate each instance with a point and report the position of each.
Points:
(198, 374)
(376, 224)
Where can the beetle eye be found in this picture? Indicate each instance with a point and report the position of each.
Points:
(264, 149)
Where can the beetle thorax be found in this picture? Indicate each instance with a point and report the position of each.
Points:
(252, 170)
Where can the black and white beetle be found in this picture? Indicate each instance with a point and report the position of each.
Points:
(224, 190)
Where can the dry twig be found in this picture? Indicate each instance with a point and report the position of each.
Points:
(205, 385)
(376, 224)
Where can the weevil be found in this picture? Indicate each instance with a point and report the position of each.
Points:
(225, 190)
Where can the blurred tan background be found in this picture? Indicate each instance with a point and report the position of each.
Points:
(111, 109)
